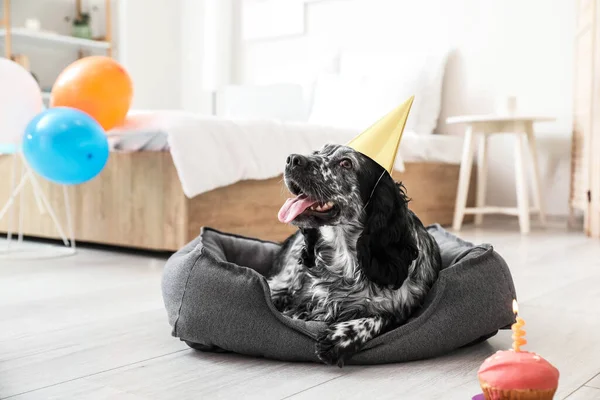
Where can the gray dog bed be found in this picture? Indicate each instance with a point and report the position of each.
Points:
(217, 299)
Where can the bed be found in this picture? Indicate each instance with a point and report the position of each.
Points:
(138, 201)
(172, 172)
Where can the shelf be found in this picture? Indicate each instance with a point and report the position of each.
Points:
(56, 38)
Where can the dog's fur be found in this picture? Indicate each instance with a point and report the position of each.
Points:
(364, 266)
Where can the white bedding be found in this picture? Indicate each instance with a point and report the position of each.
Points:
(211, 152)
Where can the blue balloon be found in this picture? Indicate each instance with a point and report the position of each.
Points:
(65, 145)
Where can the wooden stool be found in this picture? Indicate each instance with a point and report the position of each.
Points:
(521, 126)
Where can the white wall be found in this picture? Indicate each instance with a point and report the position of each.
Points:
(207, 27)
(192, 47)
(150, 48)
(500, 47)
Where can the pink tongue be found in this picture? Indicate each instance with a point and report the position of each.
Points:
(294, 207)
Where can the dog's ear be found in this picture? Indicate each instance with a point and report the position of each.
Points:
(386, 247)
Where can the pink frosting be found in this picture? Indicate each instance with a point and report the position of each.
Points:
(518, 370)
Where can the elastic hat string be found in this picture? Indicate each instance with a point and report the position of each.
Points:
(374, 187)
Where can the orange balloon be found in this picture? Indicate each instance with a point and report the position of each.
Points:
(98, 86)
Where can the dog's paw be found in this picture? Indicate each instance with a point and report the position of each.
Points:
(336, 345)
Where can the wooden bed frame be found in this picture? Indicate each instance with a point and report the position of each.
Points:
(137, 202)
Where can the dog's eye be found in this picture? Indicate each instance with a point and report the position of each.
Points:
(345, 163)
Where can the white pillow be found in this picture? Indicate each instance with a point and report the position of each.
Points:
(358, 102)
(283, 102)
(425, 68)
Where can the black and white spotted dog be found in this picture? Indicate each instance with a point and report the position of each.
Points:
(361, 261)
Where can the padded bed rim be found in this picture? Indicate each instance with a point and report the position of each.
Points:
(263, 281)
(440, 287)
(413, 325)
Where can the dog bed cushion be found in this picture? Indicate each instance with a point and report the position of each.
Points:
(217, 299)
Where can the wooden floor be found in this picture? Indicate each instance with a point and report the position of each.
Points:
(92, 326)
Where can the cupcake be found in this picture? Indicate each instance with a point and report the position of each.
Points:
(517, 375)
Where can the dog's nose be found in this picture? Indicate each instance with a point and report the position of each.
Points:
(296, 160)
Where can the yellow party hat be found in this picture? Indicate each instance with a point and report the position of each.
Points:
(381, 140)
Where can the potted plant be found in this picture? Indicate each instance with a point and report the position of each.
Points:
(81, 26)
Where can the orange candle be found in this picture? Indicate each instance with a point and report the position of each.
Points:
(517, 328)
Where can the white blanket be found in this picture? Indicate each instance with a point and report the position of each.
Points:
(210, 152)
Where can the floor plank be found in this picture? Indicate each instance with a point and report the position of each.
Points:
(66, 318)
(226, 376)
(544, 260)
(585, 393)
(93, 327)
(594, 382)
(80, 389)
(83, 350)
(579, 361)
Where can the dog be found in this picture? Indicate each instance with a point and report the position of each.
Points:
(361, 261)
